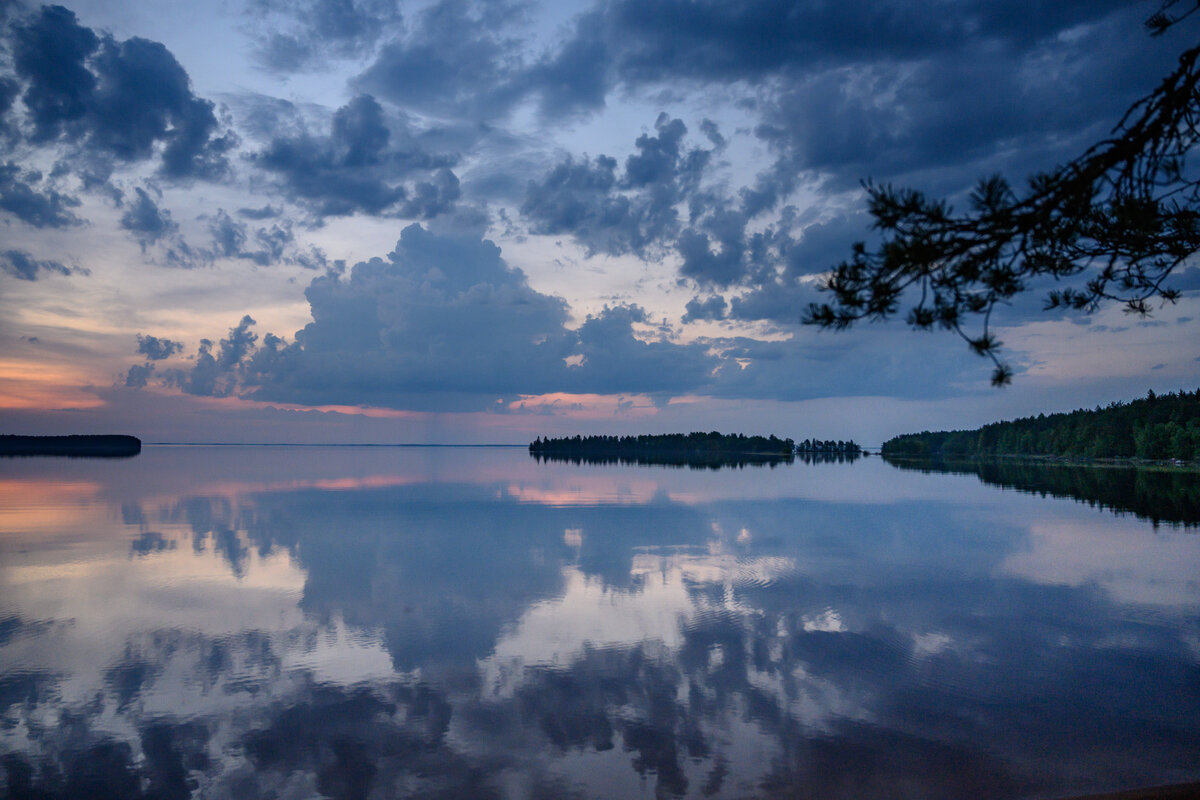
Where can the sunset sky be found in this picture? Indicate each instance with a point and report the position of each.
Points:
(456, 221)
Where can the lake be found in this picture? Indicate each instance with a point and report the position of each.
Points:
(295, 622)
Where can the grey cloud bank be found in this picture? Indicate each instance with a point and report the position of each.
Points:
(444, 323)
(442, 319)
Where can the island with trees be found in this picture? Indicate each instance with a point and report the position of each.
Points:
(1155, 428)
(829, 447)
(676, 444)
(701, 450)
(711, 450)
(84, 446)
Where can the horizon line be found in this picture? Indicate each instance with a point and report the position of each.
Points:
(324, 444)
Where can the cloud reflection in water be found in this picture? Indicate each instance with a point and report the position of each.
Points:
(427, 630)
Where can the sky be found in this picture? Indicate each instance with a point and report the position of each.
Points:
(457, 221)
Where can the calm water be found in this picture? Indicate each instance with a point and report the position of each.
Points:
(295, 623)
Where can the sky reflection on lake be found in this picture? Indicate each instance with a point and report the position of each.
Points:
(294, 622)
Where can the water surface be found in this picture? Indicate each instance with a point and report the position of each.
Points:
(357, 622)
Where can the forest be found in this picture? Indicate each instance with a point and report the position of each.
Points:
(668, 444)
(1155, 427)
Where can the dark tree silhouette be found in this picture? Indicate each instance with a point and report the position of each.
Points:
(1120, 218)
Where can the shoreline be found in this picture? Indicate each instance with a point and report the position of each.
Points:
(1125, 462)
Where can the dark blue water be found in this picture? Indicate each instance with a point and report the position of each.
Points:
(327, 622)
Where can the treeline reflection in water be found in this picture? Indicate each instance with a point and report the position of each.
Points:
(474, 624)
(1161, 495)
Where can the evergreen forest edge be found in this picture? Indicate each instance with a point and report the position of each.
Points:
(1154, 428)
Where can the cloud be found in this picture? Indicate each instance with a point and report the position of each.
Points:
(710, 308)
(432, 197)
(441, 322)
(839, 93)
(139, 375)
(42, 209)
(659, 41)
(857, 363)
(575, 79)
(145, 220)
(634, 211)
(264, 245)
(304, 36)
(126, 100)
(454, 62)
(266, 212)
(23, 266)
(358, 167)
(444, 323)
(156, 348)
(9, 90)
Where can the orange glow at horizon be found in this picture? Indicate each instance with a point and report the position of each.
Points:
(37, 385)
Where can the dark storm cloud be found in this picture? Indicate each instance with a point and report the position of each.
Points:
(358, 167)
(125, 100)
(442, 322)
(305, 35)
(23, 266)
(633, 211)
(39, 207)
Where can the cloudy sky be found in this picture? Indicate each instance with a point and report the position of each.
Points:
(454, 221)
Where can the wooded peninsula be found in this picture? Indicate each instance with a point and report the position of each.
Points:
(1156, 427)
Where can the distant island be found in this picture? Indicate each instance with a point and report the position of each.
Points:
(829, 447)
(1154, 428)
(101, 446)
(668, 445)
